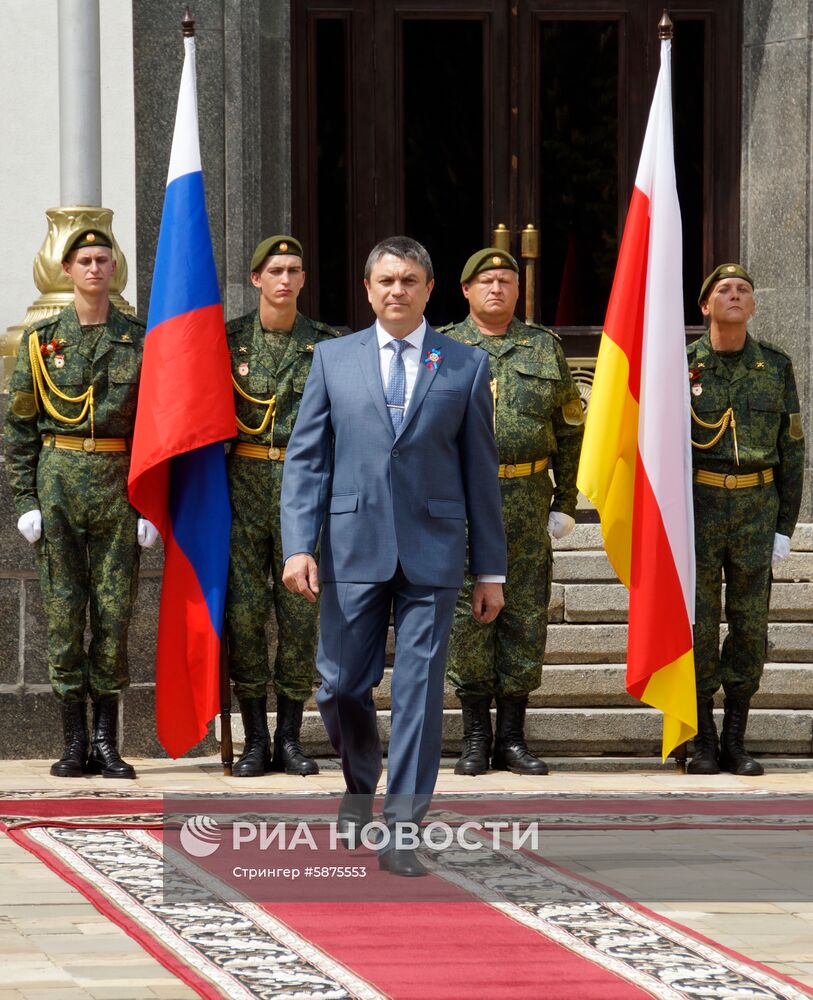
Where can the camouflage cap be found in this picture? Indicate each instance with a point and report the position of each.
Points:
(275, 245)
(487, 260)
(720, 272)
(87, 238)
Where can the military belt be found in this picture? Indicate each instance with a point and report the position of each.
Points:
(731, 482)
(523, 469)
(269, 454)
(84, 444)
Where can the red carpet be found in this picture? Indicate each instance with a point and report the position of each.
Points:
(578, 945)
(446, 951)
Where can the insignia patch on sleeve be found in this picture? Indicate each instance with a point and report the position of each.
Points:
(795, 430)
(23, 405)
(573, 412)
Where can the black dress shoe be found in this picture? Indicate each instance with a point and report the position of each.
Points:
(404, 862)
(355, 812)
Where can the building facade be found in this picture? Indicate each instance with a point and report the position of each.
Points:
(344, 121)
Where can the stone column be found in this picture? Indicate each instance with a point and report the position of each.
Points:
(80, 174)
(777, 180)
(80, 107)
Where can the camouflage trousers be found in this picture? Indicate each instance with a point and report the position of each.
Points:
(734, 532)
(505, 657)
(88, 556)
(256, 551)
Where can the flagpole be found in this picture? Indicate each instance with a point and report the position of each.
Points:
(665, 33)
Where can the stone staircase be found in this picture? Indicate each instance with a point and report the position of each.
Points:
(582, 708)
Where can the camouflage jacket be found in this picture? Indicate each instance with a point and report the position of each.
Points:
(254, 371)
(761, 391)
(107, 356)
(537, 408)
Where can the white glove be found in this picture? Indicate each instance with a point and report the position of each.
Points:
(559, 524)
(30, 525)
(147, 533)
(781, 550)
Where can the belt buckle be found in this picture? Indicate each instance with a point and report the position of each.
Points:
(273, 453)
(510, 471)
(730, 482)
(89, 444)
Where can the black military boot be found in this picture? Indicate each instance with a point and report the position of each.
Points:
(288, 753)
(104, 752)
(476, 736)
(73, 762)
(706, 749)
(733, 755)
(255, 760)
(510, 750)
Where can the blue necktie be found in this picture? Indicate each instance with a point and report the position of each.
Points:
(396, 385)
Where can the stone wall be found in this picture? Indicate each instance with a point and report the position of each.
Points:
(777, 170)
(243, 63)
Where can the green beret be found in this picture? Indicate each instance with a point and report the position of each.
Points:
(87, 238)
(487, 260)
(723, 271)
(275, 245)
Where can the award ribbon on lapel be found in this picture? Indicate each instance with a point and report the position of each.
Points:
(433, 359)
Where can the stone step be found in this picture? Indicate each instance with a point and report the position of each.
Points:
(603, 603)
(596, 685)
(787, 642)
(797, 567)
(580, 731)
(802, 539)
(588, 536)
(578, 566)
(570, 565)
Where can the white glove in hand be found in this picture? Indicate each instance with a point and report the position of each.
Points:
(781, 550)
(559, 524)
(30, 525)
(147, 533)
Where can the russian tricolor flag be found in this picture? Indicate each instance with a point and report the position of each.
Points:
(636, 462)
(185, 412)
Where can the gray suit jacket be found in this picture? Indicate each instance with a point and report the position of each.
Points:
(377, 498)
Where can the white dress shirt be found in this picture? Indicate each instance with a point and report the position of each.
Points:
(412, 362)
(411, 356)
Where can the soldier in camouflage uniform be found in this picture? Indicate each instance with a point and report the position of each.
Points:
(71, 412)
(748, 458)
(271, 353)
(538, 422)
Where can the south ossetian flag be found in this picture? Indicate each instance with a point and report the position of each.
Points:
(185, 412)
(636, 459)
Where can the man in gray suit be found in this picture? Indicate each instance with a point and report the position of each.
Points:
(393, 454)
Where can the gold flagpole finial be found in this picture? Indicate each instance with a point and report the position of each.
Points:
(188, 25)
(665, 26)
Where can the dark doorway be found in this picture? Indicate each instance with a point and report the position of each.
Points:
(443, 119)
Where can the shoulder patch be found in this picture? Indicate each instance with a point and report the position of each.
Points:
(573, 412)
(23, 405)
(795, 429)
